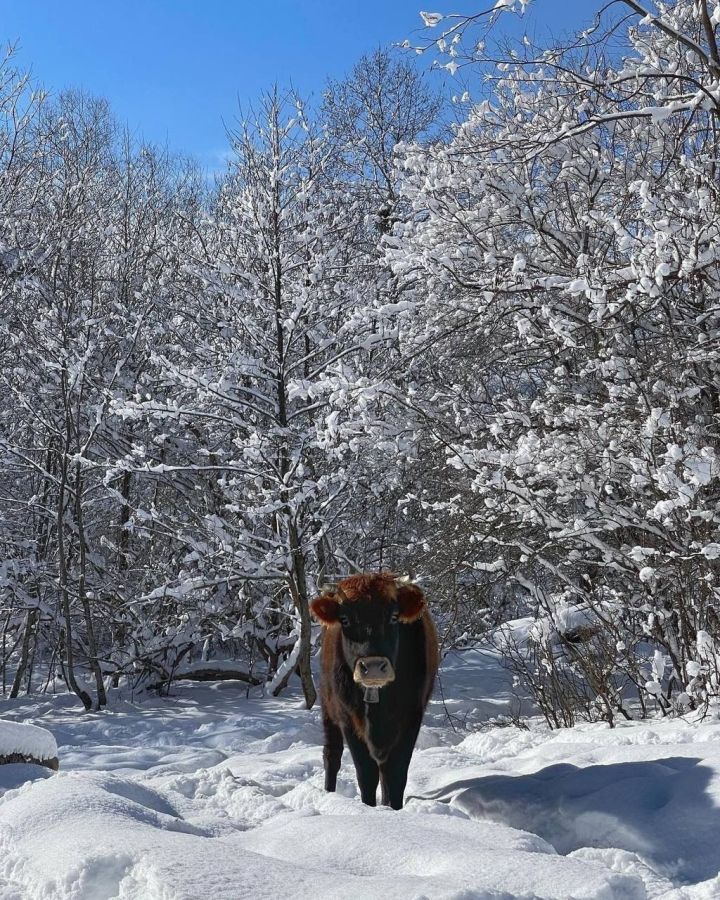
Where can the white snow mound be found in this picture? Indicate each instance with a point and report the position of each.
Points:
(88, 836)
(27, 740)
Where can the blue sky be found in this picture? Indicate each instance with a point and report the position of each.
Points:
(173, 70)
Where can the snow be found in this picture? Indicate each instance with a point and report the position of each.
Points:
(214, 793)
(431, 19)
(26, 740)
(647, 574)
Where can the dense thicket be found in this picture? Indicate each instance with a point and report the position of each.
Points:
(183, 455)
(486, 357)
(564, 243)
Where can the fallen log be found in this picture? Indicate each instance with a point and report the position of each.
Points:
(217, 670)
(26, 758)
(211, 674)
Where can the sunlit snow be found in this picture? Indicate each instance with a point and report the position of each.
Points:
(209, 793)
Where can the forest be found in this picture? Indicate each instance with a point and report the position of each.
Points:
(473, 339)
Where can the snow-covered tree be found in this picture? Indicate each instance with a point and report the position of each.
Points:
(78, 315)
(269, 339)
(562, 266)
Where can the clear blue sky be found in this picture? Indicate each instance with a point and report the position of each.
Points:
(174, 69)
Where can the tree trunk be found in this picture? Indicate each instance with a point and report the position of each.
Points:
(296, 577)
(72, 682)
(30, 621)
(93, 660)
(298, 587)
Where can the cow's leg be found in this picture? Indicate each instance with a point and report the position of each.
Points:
(332, 751)
(393, 772)
(366, 768)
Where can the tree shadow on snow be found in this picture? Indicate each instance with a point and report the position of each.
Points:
(659, 809)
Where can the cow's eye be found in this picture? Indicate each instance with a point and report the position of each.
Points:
(344, 621)
(394, 618)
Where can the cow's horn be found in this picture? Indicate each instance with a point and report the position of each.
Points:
(403, 579)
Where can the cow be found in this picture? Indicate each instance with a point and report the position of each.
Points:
(379, 660)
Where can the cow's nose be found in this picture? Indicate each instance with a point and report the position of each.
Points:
(374, 671)
(381, 666)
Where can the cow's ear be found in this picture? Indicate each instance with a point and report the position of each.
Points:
(411, 601)
(325, 608)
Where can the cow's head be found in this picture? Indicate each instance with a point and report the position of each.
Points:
(370, 610)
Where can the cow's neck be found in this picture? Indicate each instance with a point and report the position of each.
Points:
(381, 718)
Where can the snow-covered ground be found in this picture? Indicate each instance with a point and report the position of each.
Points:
(210, 794)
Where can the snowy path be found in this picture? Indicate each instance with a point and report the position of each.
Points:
(210, 794)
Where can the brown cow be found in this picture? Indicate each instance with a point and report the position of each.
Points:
(379, 660)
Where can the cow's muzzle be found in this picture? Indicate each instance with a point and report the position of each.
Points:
(374, 671)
